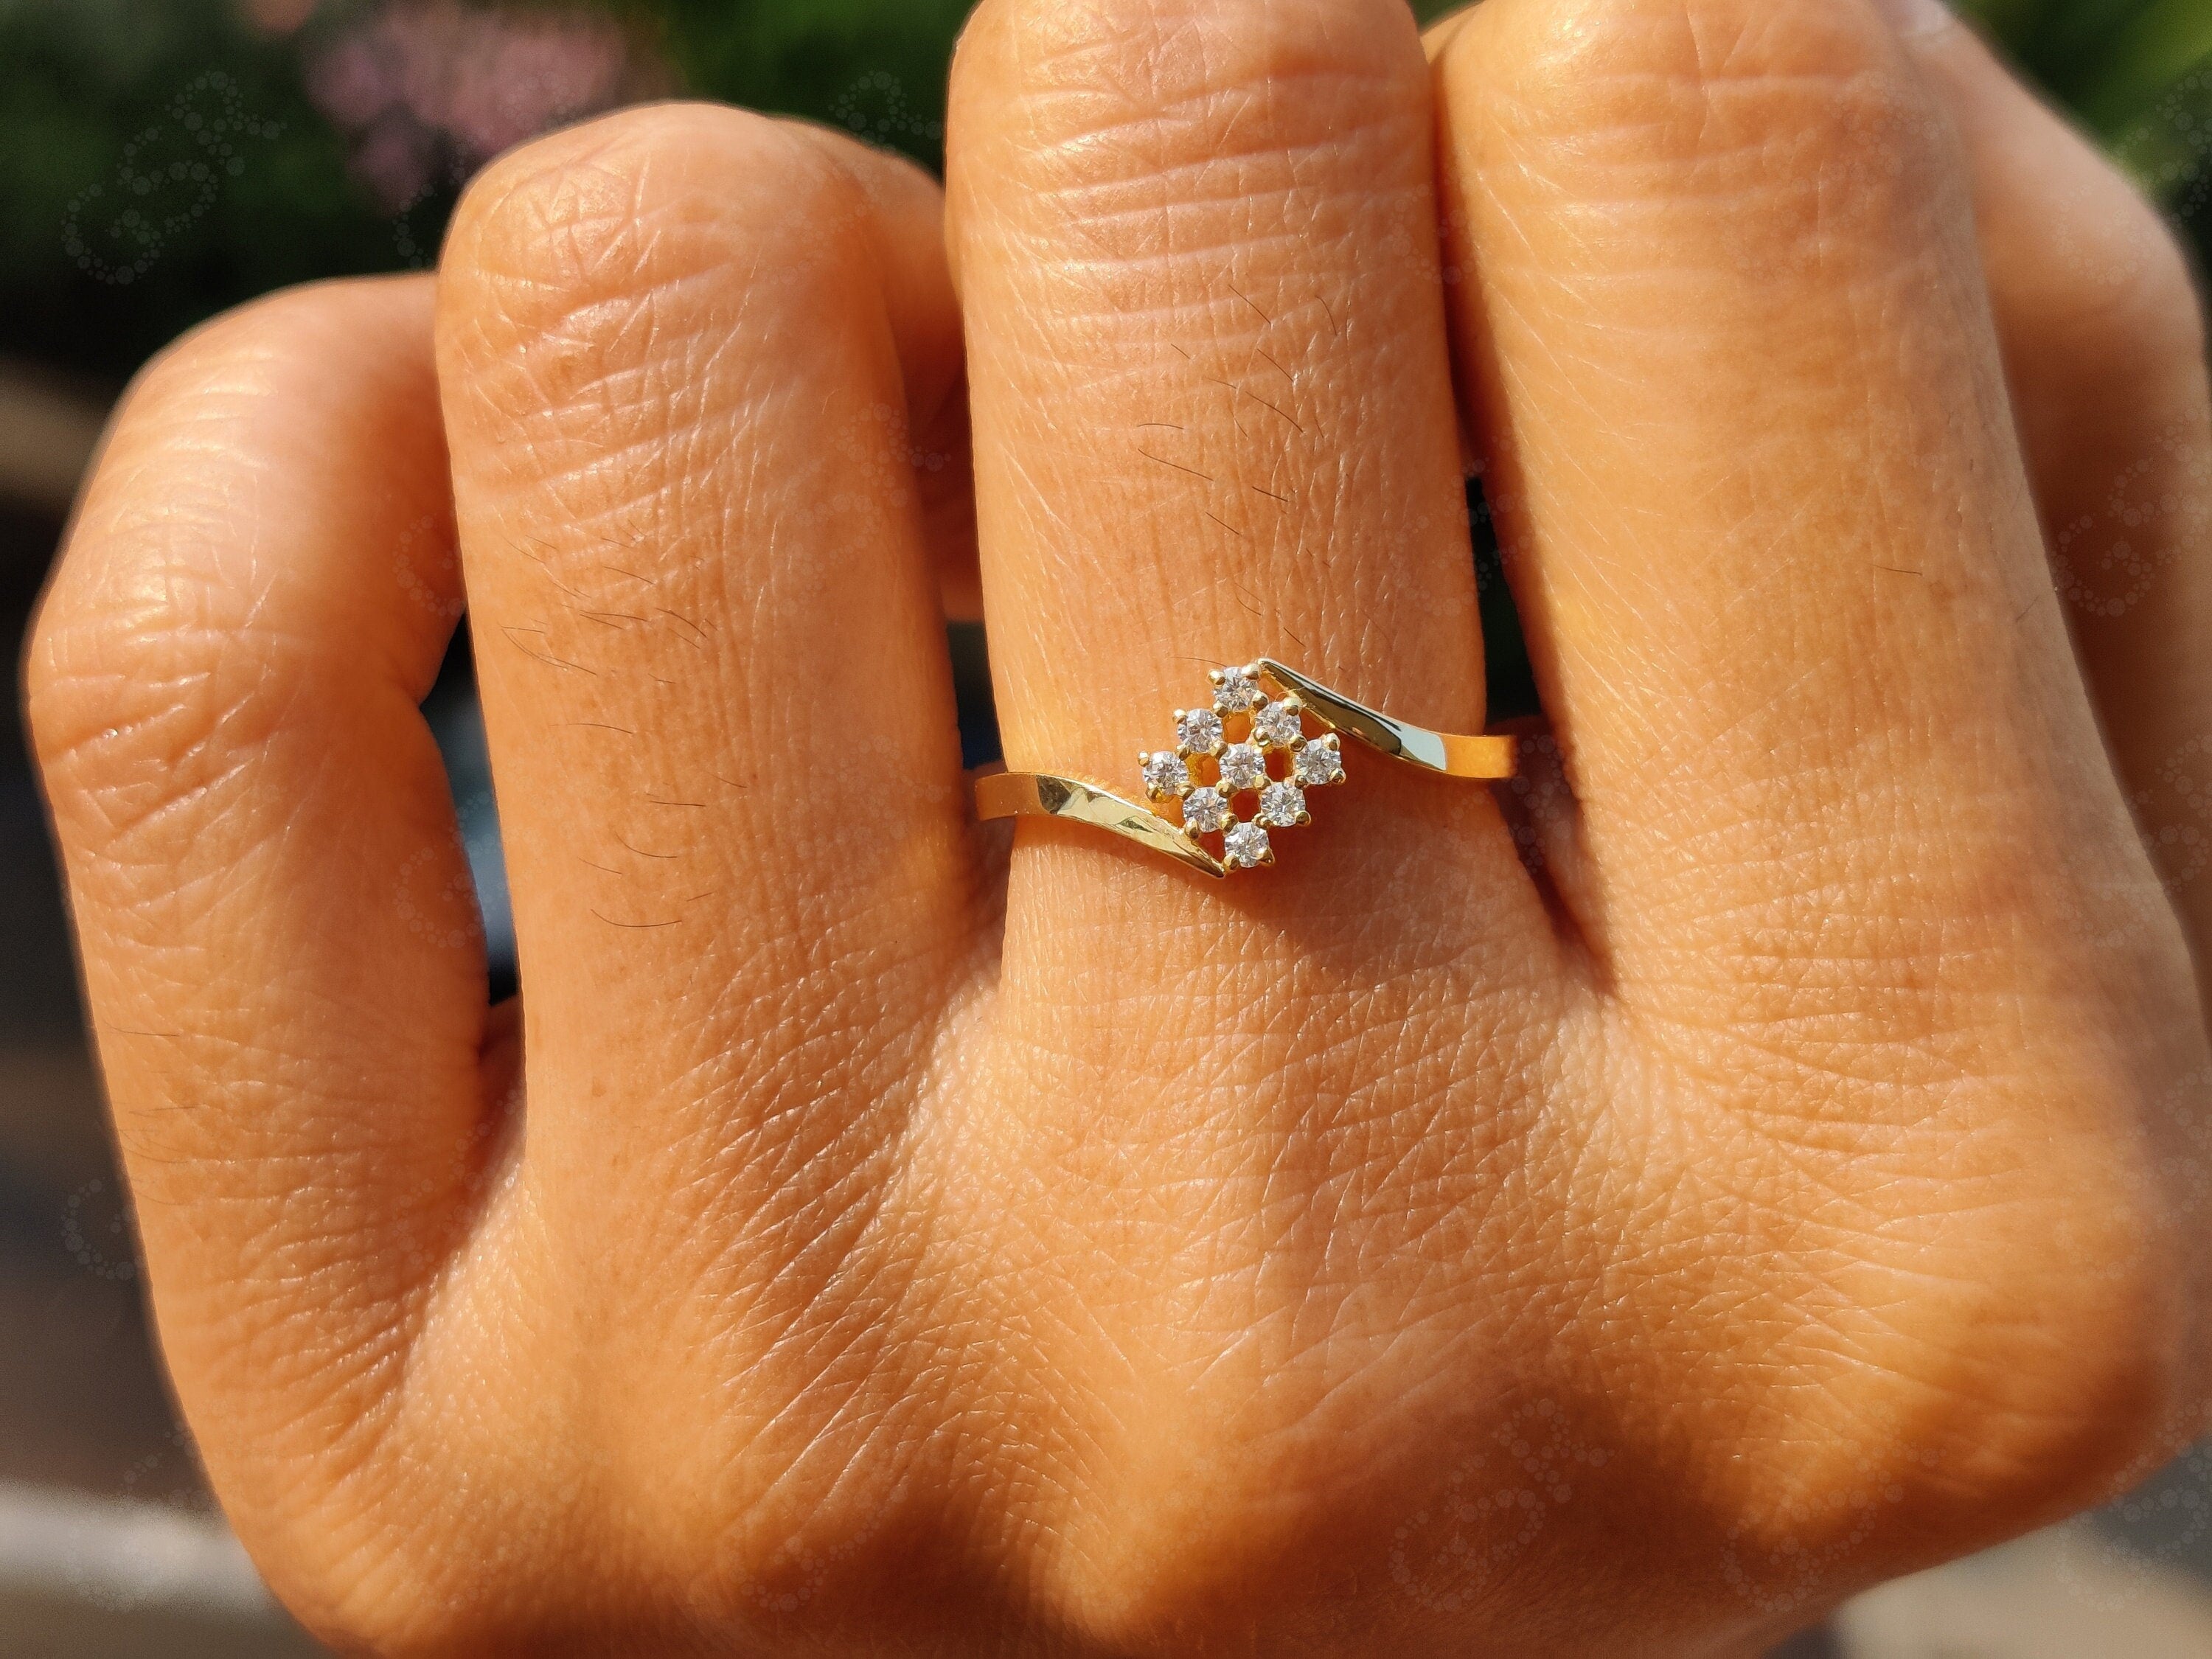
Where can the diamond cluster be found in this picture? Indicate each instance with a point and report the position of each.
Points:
(1243, 767)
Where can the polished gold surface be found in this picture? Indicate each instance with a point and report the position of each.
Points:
(1448, 752)
(1047, 794)
(1246, 747)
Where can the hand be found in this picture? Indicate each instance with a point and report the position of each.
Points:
(1622, 1213)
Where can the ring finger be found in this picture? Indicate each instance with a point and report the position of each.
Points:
(1214, 417)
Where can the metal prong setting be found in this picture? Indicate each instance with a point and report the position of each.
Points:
(1225, 772)
(1198, 731)
(1167, 774)
(1242, 767)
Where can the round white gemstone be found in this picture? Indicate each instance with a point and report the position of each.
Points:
(1200, 732)
(1245, 843)
(1237, 692)
(1318, 762)
(1277, 725)
(1205, 811)
(1282, 804)
(1165, 774)
(1243, 767)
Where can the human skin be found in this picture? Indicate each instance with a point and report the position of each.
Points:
(1761, 1152)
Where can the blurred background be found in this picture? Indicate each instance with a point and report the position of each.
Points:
(160, 160)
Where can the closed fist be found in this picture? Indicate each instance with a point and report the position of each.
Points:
(1760, 1150)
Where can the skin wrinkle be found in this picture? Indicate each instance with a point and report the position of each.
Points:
(1243, 187)
(1185, 1278)
(793, 1045)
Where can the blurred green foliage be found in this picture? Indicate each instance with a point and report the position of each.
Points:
(875, 66)
(83, 81)
(161, 159)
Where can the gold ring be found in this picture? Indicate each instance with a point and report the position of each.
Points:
(1241, 768)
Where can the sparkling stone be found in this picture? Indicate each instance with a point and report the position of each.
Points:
(1165, 775)
(1318, 763)
(1243, 767)
(1205, 811)
(1245, 844)
(1200, 732)
(1282, 804)
(1236, 691)
(1276, 726)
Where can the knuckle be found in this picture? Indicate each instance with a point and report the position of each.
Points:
(120, 616)
(576, 231)
(658, 284)
(135, 718)
(1153, 134)
(1097, 65)
(2114, 276)
(140, 623)
(2160, 287)
(1805, 108)
(277, 328)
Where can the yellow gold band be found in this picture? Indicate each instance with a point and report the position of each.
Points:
(1448, 752)
(1251, 746)
(1049, 795)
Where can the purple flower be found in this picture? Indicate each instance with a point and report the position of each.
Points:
(426, 86)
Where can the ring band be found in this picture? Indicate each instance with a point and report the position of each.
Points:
(1229, 754)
